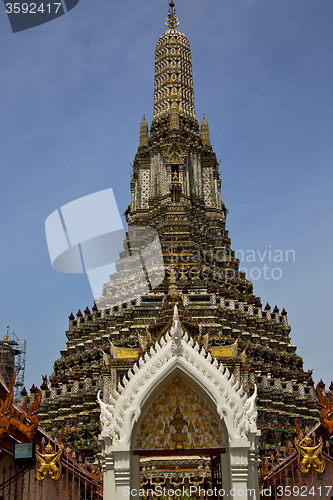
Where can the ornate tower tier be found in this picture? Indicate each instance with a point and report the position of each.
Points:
(176, 183)
(173, 71)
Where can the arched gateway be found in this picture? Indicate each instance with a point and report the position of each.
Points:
(179, 400)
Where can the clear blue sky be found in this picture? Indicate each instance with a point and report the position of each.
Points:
(73, 93)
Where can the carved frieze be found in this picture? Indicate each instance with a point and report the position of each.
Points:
(201, 428)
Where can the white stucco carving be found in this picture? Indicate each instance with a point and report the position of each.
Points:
(176, 352)
(177, 349)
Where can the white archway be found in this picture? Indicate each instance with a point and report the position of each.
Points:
(176, 353)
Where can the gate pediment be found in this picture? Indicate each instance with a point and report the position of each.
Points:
(174, 351)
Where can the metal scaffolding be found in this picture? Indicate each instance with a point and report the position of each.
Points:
(12, 360)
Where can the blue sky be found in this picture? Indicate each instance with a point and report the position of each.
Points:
(73, 93)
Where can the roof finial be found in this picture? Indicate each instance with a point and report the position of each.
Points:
(7, 337)
(172, 20)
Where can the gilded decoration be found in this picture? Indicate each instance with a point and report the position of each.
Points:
(308, 454)
(48, 463)
(224, 352)
(13, 416)
(178, 419)
(127, 353)
(326, 410)
(172, 20)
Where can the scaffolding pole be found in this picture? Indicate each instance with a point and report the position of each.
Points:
(12, 359)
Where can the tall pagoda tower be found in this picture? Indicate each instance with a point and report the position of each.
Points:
(175, 188)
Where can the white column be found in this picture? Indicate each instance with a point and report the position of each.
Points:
(135, 475)
(253, 481)
(121, 458)
(239, 468)
(225, 469)
(109, 486)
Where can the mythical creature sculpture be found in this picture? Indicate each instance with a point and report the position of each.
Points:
(106, 358)
(310, 456)
(127, 212)
(224, 209)
(49, 463)
(326, 410)
(107, 419)
(11, 416)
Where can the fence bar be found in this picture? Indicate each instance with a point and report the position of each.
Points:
(73, 479)
(41, 485)
(330, 462)
(3, 481)
(35, 488)
(79, 485)
(47, 487)
(10, 479)
(15, 482)
(306, 484)
(67, 475)
(23, 482)
(85, 489)
(313, 484)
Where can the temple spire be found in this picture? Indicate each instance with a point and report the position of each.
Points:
(172, 20)
(205, 135)
(144, 134)
(173, 71)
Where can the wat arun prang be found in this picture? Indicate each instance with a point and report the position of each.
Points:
(175, 188)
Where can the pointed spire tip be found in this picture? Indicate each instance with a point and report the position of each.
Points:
(172, 20)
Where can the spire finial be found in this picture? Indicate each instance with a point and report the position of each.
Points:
(7, 337)
(172, 20)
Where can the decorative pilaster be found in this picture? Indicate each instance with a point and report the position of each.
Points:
(174, 117)
(107, 387)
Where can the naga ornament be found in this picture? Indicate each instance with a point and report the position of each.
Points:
(11, 415)
(326, 410)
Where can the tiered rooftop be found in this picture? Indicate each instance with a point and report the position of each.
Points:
(254, 342)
